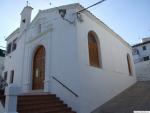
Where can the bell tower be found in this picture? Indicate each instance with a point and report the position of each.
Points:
(25, 17)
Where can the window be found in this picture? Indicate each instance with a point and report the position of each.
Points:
(129, 64)
(146, 58)
(144, 47)
(14, 45)
(94, 50)
(39, 28)
(135, 51)
(2, 53)
(5, 75)
(24, 20)
(9, 48)
(11, 76)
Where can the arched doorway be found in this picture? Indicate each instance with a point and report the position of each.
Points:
(38, 69)
(129, 65)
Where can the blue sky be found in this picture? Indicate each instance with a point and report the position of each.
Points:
(128, 18)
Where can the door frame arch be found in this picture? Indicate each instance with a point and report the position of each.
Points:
(32, 65)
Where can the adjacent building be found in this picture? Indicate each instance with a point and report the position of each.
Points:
(65, 46)
(2, 56)
(141, 56)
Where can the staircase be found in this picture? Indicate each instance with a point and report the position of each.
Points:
(41, 103)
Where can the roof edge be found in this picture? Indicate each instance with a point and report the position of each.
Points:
(139, 44)
(88, 13)
(17, 30)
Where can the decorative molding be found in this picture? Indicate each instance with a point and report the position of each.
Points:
(39, 35)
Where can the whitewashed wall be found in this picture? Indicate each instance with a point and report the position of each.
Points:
(13, 60)
(98, 85)
(142, 53)
(142, 67)
(65, 64)
(143, 70)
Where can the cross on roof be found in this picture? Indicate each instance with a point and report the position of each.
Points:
(27, 3)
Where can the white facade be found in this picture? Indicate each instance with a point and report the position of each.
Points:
(67, 57)
(141, 50)
(141, 56)
(143, 70)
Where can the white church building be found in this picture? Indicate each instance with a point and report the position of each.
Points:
(70, 53)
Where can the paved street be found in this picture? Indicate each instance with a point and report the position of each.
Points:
(135, 98)
(1, 109)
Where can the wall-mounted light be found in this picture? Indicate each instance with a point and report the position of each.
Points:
(62, 13)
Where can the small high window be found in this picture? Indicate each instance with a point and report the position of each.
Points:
(39, 28)
(94, 50)
(129, 65)
(24, 20)
(11, 76)
(144, 48)
(137, 52)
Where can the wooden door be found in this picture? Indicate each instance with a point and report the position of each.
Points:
(38, 69)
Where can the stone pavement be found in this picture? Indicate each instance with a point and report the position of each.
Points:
(135, 98)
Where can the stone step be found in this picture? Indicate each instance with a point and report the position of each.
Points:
(56, 110)
(42, 106)
(34, 97)
(27, 103)
(41, 103)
